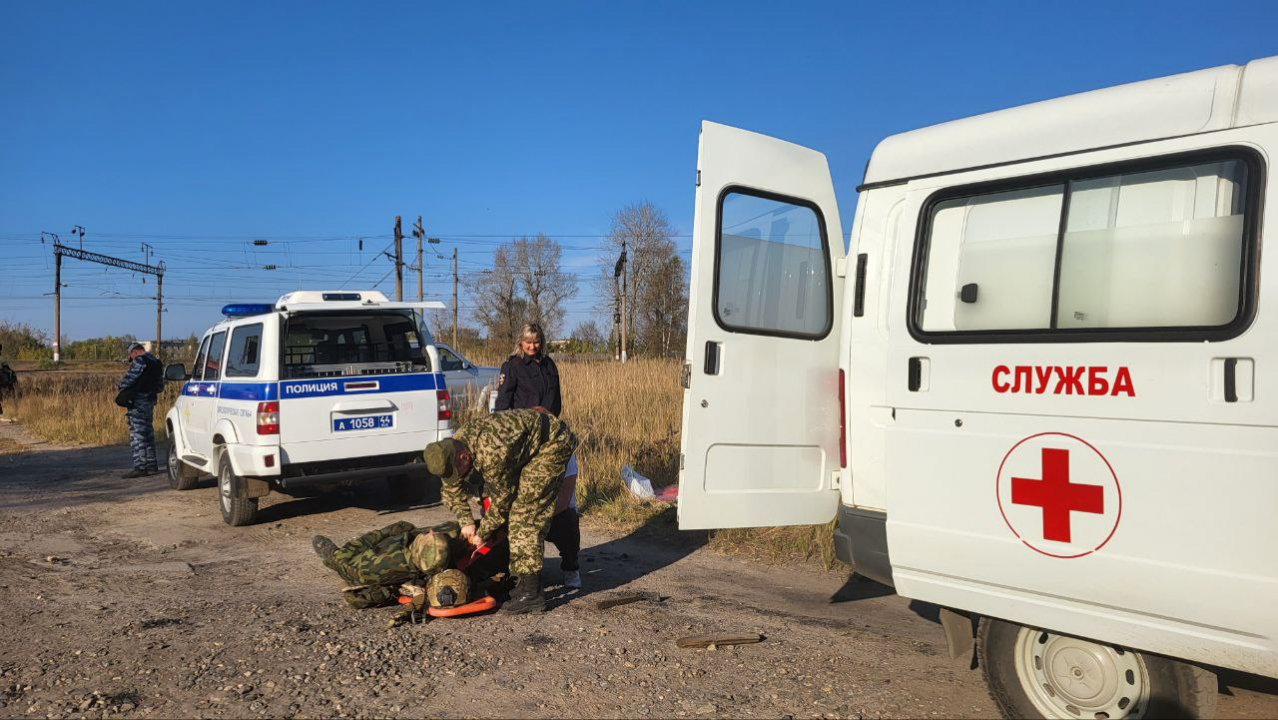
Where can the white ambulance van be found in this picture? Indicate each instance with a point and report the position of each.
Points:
(320, 389)
(1033, 392)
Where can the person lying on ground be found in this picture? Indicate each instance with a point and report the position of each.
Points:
(376, 563)
(517, 460)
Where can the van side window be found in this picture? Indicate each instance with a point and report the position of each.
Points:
(1147, 250)
(244, 358)
(1154, 249)
(772, 272)
(213, 364)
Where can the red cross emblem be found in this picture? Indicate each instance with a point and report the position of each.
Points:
(1061, 489)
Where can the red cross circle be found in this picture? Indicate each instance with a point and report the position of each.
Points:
(1059, 495)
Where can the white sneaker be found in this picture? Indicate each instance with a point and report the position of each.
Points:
(572, 579)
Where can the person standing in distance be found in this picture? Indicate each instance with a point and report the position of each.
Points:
(138, 388)
(530, 379)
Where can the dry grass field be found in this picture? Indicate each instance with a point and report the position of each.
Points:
(623, 415)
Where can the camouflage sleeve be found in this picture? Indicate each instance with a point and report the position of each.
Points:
(501, 482)
(457, 498)
(133, 375)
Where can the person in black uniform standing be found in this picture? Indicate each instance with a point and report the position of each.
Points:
(529, 379)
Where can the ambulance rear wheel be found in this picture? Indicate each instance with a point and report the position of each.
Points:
(407, 488)
(1034, 673)
(236, 509)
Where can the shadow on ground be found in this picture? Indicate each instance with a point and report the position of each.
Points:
(616, 563)
(859, 587)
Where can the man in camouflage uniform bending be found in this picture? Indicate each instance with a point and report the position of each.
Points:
(516, 459)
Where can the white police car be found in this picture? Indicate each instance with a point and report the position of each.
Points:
(321, 388)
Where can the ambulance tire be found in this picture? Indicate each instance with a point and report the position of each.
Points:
(237, 510)
(407, 488)
(181, 476)
(1174, 689)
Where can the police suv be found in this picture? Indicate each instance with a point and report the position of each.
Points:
(319, 389)
(1034, 391)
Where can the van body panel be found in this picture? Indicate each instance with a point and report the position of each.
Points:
(1083, 462)
(1184, 521)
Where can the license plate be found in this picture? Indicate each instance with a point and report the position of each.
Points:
(364, 422)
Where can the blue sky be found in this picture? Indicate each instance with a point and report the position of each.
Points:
(198, 128)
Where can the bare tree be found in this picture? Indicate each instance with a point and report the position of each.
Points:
(663, 311)
(649, 241)
(587, 336)
(546, 287)
(496, 302)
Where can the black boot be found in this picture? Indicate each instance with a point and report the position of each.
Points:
(325, 549)
(526, 597)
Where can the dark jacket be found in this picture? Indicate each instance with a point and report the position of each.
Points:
(145, 377)
(528, 382)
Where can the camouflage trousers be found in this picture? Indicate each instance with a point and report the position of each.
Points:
(141, 433)
(534, 505)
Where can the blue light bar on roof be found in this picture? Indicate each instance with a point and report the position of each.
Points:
(341, 296)
(246, 309)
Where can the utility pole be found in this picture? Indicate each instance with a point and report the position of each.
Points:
(624, 315)
(159, 312)
(454, 297)
(147, 269)
(420, 234)
(57, 303)
(399, 261)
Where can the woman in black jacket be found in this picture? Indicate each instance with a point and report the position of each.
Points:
(529, 378)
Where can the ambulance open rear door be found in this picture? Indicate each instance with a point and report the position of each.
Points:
(761, 439)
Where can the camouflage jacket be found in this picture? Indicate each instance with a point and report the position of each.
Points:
(501, 444)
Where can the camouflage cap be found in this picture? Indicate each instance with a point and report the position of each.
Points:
(449, 588)
(433, 550)
(440, 459)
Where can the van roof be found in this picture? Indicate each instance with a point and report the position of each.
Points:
(1214, 99)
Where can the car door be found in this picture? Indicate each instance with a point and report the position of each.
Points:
(459, 374)
(201, 395)
(761, 418)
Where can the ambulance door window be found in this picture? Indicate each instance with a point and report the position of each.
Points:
(244, 357)
(991, 260)
(1154, 249)
(213, 365)
(772, 273)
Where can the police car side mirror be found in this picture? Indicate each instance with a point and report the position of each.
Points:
(175, 372)
(968, 293)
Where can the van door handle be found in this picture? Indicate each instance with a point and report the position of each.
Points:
(712, 358)
(1233, 380)
(918, 374)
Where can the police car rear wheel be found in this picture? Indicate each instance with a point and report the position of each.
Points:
(236, 510)
(180, 477)
(1036, 673)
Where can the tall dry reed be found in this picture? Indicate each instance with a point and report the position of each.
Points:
(71, 408)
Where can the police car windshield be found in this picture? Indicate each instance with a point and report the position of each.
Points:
(340, 344)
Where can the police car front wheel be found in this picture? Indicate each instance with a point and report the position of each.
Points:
(1036, 673)
(181, 477)
(237, 510)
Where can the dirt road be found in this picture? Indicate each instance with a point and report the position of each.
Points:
(124, 598)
